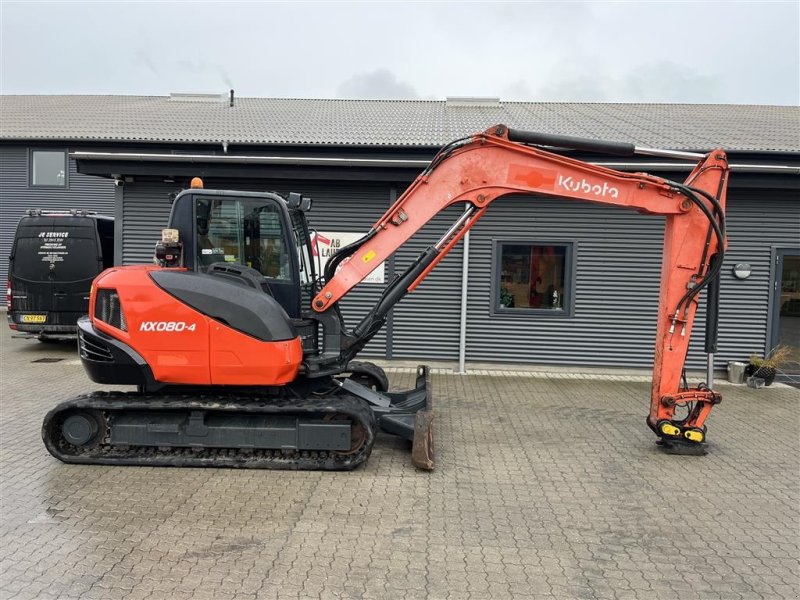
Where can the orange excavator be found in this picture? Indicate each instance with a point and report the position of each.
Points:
(239, 351)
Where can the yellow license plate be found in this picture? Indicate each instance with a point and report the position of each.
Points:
(34, 318)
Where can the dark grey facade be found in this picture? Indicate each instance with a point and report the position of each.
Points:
(616, 254)
(617, 270)
(17, 195)
(617, 259)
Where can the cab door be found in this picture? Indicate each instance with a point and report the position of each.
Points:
(251, 230)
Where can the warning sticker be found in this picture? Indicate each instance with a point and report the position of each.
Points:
(326, 244)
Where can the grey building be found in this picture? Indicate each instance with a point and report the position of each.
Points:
(548, 281)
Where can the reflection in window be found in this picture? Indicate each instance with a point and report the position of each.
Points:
(533, 277)
(49, 167)
(244, 231)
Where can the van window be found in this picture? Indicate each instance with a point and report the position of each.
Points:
(72, 258)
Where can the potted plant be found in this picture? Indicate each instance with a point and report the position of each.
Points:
(506, 298)
(766, 367)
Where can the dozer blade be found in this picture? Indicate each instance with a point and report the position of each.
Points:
(422, 449)
(410, 416)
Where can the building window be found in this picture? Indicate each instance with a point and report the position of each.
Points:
(49, 168)
(533, 278)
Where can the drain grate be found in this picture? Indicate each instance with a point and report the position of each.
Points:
(47, 360)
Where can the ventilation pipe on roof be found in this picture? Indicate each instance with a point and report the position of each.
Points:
(231, 98)
(473, 101)
(196, 97)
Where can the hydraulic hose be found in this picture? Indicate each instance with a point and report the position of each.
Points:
(719, 230)
(349, 250)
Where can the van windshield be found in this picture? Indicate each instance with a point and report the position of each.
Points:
(55, 258)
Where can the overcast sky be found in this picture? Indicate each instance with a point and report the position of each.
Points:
(729, 52)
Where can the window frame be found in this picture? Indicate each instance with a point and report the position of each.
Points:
(570, 256)
(42, 186)
(282, 213)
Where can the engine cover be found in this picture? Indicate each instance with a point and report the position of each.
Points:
(197, 329)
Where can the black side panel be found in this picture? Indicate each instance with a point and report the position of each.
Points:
(181, 218)
(240, 307)
(107, 360)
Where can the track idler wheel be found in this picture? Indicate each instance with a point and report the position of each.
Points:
(78, 430)
(358, 436)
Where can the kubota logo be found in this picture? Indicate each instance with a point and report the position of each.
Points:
(176, 326)
(573, 185)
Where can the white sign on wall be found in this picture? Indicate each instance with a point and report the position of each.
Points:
(328, 243)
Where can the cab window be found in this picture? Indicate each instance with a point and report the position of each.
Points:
(244, 231)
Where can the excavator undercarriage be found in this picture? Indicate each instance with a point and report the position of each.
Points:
(311, 424)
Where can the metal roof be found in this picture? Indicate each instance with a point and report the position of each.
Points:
(390, 123)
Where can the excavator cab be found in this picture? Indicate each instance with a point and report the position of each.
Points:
(219, 230)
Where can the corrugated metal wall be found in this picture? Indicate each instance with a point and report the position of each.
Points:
(617, 256)
(145, 212)
(617, 261)
(83, 192)
(758, 221)
(337, 207)
(426, 322)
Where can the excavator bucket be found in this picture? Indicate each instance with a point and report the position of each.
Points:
(410, 416)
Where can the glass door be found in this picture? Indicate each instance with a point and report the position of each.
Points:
(786, 310)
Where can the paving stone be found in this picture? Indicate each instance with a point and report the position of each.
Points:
(546, 487)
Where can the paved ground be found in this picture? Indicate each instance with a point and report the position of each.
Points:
(545, 488)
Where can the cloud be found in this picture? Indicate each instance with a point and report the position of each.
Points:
(380, 84)
(518, 91)
(226, 79)
(585, 88)
(143, 58)
(655, 81)
(666, 81)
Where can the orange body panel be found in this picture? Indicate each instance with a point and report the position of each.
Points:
(238, 359)
(182, 345)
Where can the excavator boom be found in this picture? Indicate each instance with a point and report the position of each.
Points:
(476, 171)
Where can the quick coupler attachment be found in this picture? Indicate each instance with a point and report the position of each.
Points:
(675, 439)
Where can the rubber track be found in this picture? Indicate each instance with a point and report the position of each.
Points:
(105, 454)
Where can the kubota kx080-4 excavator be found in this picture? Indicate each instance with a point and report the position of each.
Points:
(252, 366)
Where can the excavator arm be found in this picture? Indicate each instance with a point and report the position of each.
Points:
(477, 170)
